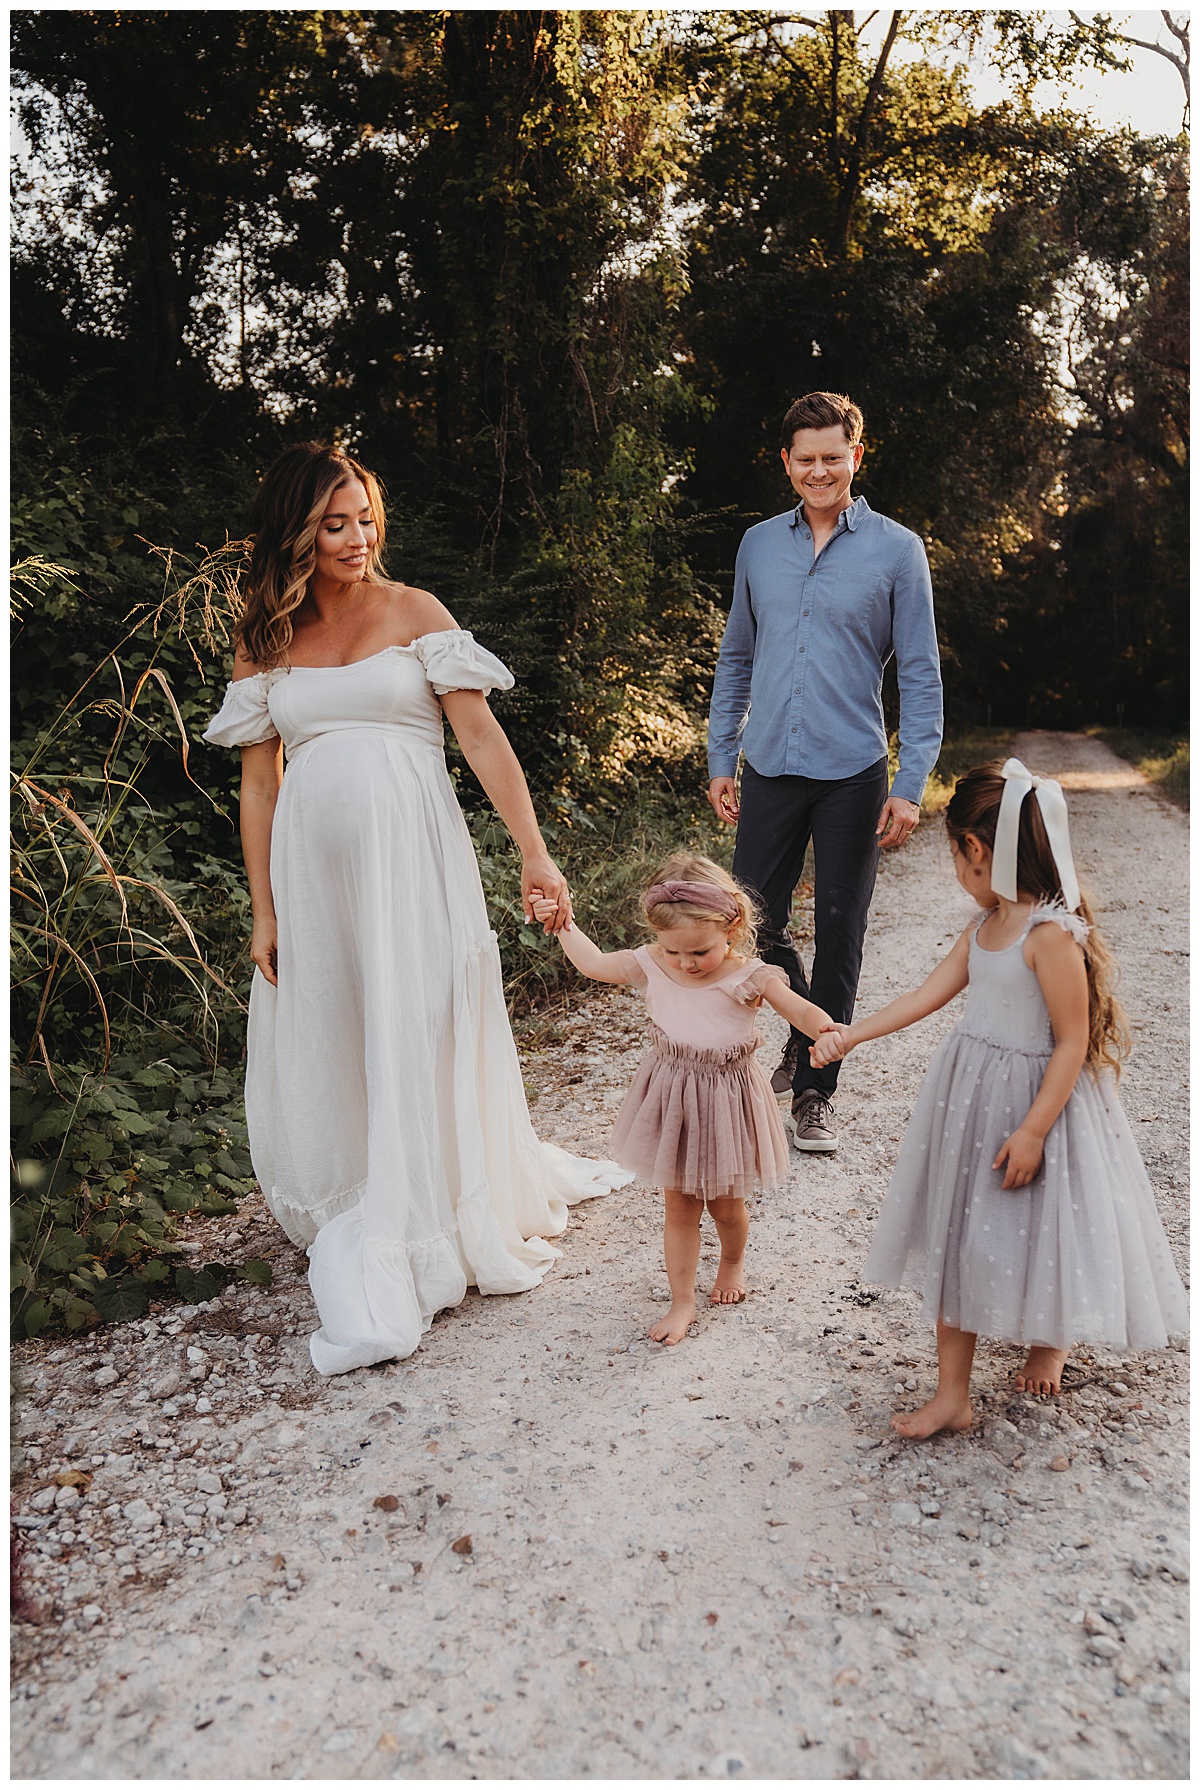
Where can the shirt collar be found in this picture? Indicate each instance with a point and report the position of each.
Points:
(849, 518)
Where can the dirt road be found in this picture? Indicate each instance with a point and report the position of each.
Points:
(545, 1547)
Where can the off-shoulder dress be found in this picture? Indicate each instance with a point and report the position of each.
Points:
(388, 1125)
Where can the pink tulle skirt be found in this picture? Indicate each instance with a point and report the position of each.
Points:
(704, 1122)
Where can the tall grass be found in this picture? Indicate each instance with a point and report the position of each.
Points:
(1165, 759)
(124, 1114)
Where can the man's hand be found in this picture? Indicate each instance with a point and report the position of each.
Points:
(897, 822)
(722, 793)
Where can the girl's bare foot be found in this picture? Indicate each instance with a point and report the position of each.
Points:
(943, 1412)
(1042, 1372)
(729, 1288)
(674, 1327)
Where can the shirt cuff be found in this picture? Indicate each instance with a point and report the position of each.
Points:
(907, 789)
(722, 764)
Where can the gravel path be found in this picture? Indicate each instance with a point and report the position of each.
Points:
(545, 1547)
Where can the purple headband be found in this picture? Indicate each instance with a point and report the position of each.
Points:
(698, 894)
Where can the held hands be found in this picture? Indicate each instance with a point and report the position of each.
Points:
(544, 910)
(542, 882)
(1022, 1152)
(831, 1044)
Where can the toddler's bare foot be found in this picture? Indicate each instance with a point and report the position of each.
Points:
(729, 1288)
(943, 1412)
(674, 1327)
(1042, 1372)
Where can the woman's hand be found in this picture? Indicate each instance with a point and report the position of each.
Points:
(1023, 1154)
(541, 879)
(264, 949)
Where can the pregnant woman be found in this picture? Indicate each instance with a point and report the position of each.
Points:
(388, 1125)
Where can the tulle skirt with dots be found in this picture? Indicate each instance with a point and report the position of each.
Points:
(1078, 1256)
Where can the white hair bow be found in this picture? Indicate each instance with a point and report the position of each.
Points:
(1018, 781)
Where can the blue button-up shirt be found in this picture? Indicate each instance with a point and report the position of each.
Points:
(799, 679)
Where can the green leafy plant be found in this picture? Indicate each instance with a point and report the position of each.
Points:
(127, 1029)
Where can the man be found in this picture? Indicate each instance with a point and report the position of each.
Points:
(823, 596)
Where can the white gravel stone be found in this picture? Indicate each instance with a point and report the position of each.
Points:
(139, 1515)
(66, 1497)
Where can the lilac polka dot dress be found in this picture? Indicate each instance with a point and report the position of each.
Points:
(1080, 1254)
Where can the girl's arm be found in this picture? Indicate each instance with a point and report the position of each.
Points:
(947, 980)
(585, 954)
(262, 773)
(1058, 963)
(806, 1017)
(486, 748)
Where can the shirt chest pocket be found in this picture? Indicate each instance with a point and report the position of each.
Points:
(861, 609)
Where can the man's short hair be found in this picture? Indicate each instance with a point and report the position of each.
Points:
(822, 410)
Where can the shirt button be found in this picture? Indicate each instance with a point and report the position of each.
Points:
(797, 689)
(795, 730)
(808, 612)
(801, 649)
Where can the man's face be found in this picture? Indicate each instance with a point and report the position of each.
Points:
(821, 465)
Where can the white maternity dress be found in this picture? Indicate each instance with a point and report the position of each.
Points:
(387, 1118)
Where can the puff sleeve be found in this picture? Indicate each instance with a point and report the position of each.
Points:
(628, 965)
(747, 989)
(454, 660)
(243, 718)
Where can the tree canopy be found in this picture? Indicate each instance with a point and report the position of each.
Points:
(558, 274)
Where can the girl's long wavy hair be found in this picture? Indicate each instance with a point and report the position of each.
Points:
(291, 501)
(975, 808)
(688, 867)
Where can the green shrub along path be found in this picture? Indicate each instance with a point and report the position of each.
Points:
(597, 1557)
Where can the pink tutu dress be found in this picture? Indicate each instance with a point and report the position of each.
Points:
(700, 1116)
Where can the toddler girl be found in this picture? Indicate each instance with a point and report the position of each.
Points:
(700, 1120)
(1019, 1204)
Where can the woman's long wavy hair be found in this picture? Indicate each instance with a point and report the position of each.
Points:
(291, 501)
(975, 808)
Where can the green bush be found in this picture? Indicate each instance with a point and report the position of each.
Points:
(127, 1028)
(103, 1168)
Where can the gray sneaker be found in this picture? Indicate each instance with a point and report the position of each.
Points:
(781, 1081)
(812, 1122)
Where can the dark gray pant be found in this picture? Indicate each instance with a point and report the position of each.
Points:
(779, 816)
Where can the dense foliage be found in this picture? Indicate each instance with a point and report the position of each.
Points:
(556, 275)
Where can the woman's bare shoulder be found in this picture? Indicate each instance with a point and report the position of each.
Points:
(416, 611)
(243, 664)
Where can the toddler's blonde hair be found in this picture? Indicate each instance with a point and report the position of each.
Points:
(690, 867)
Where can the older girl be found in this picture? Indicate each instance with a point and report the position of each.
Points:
(1019, 1207)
